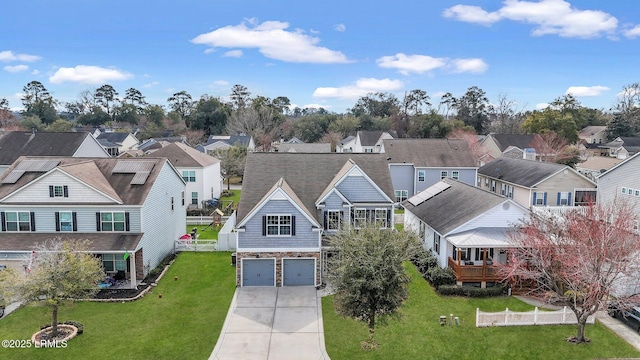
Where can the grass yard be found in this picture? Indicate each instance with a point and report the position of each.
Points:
(416, 334)
(206, 233)
(184, 324)
(235, 197)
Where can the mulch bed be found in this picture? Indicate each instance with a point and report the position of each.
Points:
(115, 294)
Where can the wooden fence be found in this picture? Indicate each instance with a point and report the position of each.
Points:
(563, 316)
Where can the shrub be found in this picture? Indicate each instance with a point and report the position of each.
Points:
(199, 212)
(226, 193)
(438, 276)
(424, 260)
(470, 291)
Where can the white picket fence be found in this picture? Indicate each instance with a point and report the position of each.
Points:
(196, 245)
(563, 316)
(203, 220)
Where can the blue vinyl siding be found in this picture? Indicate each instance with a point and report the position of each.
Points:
(304, 238)
(467, 176)
(402, 178)
(359, 189)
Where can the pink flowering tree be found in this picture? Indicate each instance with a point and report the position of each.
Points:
(580, 258)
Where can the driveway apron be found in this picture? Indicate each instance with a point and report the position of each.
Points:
(272, 323)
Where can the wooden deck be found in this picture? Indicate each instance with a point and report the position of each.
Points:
(474, 273)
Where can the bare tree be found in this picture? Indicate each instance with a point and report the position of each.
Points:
(577, 258)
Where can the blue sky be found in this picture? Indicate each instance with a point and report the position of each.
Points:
(328, 53)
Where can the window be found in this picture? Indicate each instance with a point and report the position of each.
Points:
(443, 174)
(436, 243)
(114, 262)
(455, 175)
(189, 176)
(480, 253)
(509, 192)
(421, 175)
(585, 197)
(503, 189)
(630, 192)
(465, 254)
(194, 198)
(113, 221)
(65, 221)
(368, 150)
(333, 220)
(183, 198)
(539, 198)
(401, 195)
(359, 217)
(637, 192)
(279, 225)
(624, 190)
(493, 185)
(172, 203)
(486, 182)
(381, 217)
(58, 191)
(636, 225)
(17, 221)
(564, 198)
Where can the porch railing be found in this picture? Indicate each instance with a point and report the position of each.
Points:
(474, 273)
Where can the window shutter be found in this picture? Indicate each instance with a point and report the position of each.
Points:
(569, 201)
(559, 195)
(4, 226)
(389, 217)
(57, 221)
(325, 221)
(545, 199)
(293, 226)
(534, 198)
(264, 226)
(32, 215)
(74, 218)
(455, 253)
(98, 222)
(126, 221)
(65, 190)
(50, 190)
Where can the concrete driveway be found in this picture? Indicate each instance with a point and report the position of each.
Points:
(272, 323)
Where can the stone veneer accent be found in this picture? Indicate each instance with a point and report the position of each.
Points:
(278, 256)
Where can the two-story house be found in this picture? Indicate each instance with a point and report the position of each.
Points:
(416, 164)
(465, 227)
(290, 200)
(622, 147)
(621, 184)
(494, 146)
(200, 171)
(131, 211)
(365, 142)
(74, 144)
(220, 142)
(535, 183)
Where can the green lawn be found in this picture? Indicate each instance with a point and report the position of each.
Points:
(206, 232)
(183, 324)
(416, 334)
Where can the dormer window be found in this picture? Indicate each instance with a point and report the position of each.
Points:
(58, 191)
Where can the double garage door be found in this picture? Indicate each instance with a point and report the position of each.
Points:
(261, 272)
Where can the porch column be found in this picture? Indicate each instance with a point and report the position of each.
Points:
(132, 273)
(483, 283)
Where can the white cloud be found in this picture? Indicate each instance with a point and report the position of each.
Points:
(233, 53)
(542, 106)
(587, 90)
(548, 17)
(8, 56)
(340, 27)
(632, 33)
(419, 64)
(474, 66)
(221, 83)
(151, 84)
(360, 88)
(16, 68)
(411, 63)
(86, 74)
(314, 106)
(35, 72)
(273, 41)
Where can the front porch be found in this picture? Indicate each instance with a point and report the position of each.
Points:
(483, 273)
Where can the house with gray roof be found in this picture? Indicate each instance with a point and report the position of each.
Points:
(290, 201)
(536, 184)
(621, 184)
(217, 142)
(201, 172)
(130, 211)
(622, 147)
(494, 146)
(305, 147)
(366, 142)
(74, 144)
(466, 228)
(416, 164)
(593, 134)
(117, 143)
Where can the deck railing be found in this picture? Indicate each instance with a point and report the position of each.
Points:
(474, 273)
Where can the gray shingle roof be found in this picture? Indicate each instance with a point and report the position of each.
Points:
(97, 242)
(522, 172)
(16, 143)
(182, 155)
(370, 138)
(521, 141)
(308, 175)
(305, 148)
(98, 173)
(430, 152)
(454, 206)
(113, 137)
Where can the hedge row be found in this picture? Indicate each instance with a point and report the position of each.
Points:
(470, 291)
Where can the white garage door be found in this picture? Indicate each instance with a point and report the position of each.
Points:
(258, 272)
(298, 272)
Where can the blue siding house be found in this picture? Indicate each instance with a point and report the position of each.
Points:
(290, 201)
(416, 164)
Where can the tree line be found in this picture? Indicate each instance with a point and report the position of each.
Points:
(269, 119)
